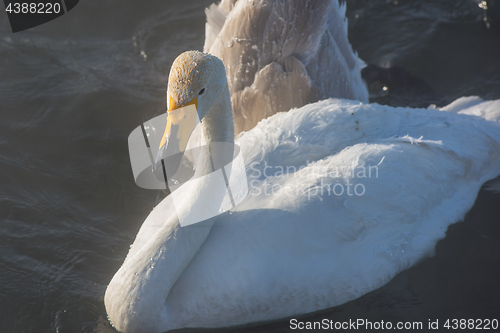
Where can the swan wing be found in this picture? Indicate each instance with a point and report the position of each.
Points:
(475, 106)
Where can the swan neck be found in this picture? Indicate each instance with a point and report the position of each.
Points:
(136, 298)
(218, 124)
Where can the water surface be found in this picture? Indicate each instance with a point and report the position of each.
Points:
(73, 89)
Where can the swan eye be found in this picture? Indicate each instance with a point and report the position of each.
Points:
(202, 91)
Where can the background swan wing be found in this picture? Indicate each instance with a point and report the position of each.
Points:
(279, 55)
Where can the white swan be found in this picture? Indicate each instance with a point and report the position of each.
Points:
(298, 243)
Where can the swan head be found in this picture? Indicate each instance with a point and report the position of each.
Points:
(197, 91)
(199, 79)
(196, 78)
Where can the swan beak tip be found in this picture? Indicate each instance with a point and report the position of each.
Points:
(183, 120)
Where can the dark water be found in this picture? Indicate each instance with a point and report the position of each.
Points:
(73, 89)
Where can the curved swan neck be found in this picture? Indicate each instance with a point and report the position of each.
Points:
(136, 297)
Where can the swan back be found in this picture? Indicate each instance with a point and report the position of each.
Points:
(281, 55)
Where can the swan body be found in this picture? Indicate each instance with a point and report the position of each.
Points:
(287, 252)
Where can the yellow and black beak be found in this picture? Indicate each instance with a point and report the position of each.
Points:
(181, 122)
